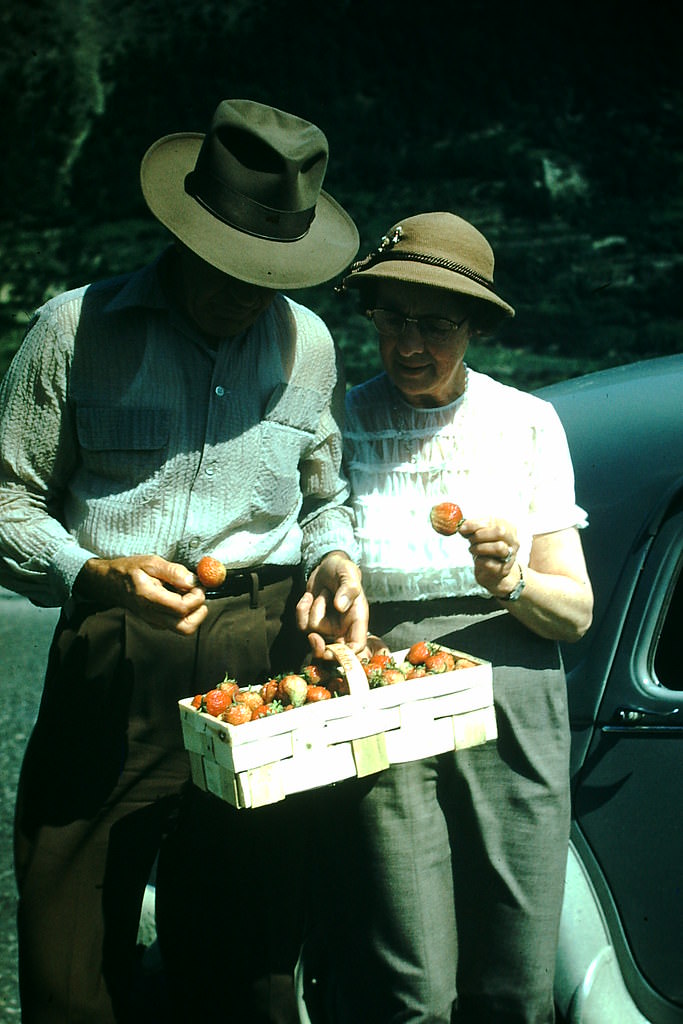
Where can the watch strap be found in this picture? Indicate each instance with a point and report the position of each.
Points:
(516, 591)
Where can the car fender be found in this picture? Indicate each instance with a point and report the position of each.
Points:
(589, 988)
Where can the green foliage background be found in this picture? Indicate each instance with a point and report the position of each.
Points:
(556, 128)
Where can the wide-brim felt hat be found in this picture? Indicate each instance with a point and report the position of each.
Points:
(247, 196)
(440, 250)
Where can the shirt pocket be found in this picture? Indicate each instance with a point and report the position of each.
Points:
(125, 446)
(286, 434)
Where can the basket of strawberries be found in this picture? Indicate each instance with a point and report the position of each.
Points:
(255, 744)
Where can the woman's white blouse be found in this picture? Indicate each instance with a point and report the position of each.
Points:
(496, 451)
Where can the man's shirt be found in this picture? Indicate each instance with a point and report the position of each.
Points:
(122, 432)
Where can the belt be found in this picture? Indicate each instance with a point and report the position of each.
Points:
(251, 580)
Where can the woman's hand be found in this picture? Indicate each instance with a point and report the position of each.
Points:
(493, 546)
(557, 600)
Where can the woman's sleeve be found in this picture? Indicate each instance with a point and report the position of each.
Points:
(553, 505)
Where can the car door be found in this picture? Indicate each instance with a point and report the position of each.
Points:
(628, 797)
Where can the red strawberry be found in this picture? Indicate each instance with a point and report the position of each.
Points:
(417, 672)
(237, 714)
(419, 652)
(265, 710)
(446, 518)
(292, 690)
(316, 693)
(252, 698)
(216, 701)
(373, 673)
(229, 686)
(269, 690)
(338, 684)
(312, 674)
(210, 572)
(465, 663)
(440, 661)
(197, 700)
(390, 676)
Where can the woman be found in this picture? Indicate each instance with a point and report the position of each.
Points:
(451, 869)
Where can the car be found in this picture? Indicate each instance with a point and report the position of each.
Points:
(620, 956)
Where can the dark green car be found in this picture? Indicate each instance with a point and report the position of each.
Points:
(621, 944)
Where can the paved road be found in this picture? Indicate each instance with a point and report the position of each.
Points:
(25, 634)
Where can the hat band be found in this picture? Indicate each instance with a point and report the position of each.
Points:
(245, 214)
(417, 257)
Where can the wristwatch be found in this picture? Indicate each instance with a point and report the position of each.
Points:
(516, 592)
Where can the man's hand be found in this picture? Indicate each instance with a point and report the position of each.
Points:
(334, 608)
(163, 594)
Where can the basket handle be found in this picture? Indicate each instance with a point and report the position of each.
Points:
(355, 674)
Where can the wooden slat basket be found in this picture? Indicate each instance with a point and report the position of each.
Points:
(355, 735)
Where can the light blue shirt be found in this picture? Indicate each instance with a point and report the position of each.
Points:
(122, 432)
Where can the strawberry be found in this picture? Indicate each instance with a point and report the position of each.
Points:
(417, 672)
(440, 661)
(216, 701)
(315, 693)
(229, 686)
(210, 572)
(465, 663)
(269, 690)
(236, 714)
(389, 676)
(367, 667)
(292, 690)
(265, 710)
(446, 517)
(252, 698)
(197, 700)
(312, 674)
(372, 672)
(419, 652)
(338, 684)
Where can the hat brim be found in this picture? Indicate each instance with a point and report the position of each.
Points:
(325, 251)
(426, 274)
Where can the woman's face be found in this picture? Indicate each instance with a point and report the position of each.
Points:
(427, 373)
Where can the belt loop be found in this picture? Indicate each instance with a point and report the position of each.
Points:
(253, 589)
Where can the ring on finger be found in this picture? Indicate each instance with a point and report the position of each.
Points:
(508, 557)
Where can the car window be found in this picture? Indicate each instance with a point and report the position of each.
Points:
(667, 666)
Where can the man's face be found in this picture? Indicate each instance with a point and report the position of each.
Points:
(219, 305)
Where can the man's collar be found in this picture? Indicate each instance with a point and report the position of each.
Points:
(144, 288)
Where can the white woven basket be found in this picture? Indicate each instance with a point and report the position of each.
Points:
(359, 734)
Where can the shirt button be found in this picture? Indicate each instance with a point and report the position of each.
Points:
(220, 390)
(209, 471)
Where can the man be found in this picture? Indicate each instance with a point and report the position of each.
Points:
(182, 410)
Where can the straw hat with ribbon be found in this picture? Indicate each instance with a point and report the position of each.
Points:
(247, 196)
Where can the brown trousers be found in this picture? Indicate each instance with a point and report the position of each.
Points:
(104, 789)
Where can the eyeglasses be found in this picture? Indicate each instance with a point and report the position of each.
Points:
(433, 329)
